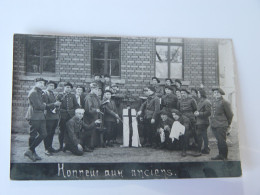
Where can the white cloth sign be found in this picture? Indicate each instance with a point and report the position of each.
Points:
(177, 130)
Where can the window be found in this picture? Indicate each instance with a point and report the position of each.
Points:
(40, 55)
(169, 58)
(106, 56)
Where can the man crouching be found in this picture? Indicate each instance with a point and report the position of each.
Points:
(75, 128)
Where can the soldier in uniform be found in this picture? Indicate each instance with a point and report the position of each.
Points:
(194, 94)
(178, 84)
(187, 107)
(221, 118)
(158, 89)
(169, 100)
(107, 82)
(202, 124)
(150, 110)
(73, 134)
(67, 109)
(36, 118)
(169, 82)
(80, 90)
(52, 116)
(92, 113)
(98, 81)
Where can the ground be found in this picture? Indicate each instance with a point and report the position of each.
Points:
(119, 154)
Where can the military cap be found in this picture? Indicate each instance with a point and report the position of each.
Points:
(194, 89)
(169, 87)
(52, 82)
(82, 87)
(183, 89)
(40, 79)
(158, 81)
(176, 112)
(68, 84)
(178, 81)
(168, 79)
(106, 75)
(152, 88)
(93, 85)
(108, 91)
(218, 89)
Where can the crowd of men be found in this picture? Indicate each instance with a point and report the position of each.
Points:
(170, 117)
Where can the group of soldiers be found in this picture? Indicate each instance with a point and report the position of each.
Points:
(93, 118)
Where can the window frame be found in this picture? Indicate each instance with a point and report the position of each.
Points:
(106, 40)
(169, 44)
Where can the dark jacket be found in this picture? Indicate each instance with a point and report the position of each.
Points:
(187, 107)
(222, 114)
(169, 101)
(204, 109)
(74, 129)
(81, 99)
(92, 103)
(151, 107)
(68, 105)
(158, 90)
(110, 110)
(36, 105)
(50, 99)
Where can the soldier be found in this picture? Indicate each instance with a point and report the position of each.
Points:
(169, 82)
(221, 118)
(158, 88)
(187, 107)
(107, 82)
(52, 116)
(36, 118)
(178, 84)
(110, 117)
(150, 110)
(202, 124)
(169, 100)
(92, 113)
(80, 90)
(194, 94)
(98, 81)
(73, 134)
(67, 109)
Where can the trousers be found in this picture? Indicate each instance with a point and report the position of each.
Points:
(37, 133)
(221, 136)
(51, 125)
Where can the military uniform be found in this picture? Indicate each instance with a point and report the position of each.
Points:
(67, 110)
(150, 109)
(73, 134)
(169, 101)
(52, 118)
(36, 118)
(220, 120)
(158, 90)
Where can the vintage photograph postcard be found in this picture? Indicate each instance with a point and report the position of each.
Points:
(104, 107)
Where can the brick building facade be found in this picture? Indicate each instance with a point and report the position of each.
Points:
(73, 60)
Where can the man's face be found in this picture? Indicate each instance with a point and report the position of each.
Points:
(175, 116)
(155, 82)
(107, 79)
(168, 91)
(108, 95)
(79, 91)
(40, 84)
(94, 90)
(164, 117)
(79, 113)
(193, 93)
(99, 91)
(97, 78)
(150, 92)
(178, 94)
(216, 94)
(184, 94)
(67, 89)
(168, 82)
(50, 87)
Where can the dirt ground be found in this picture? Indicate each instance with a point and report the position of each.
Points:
(119, 154)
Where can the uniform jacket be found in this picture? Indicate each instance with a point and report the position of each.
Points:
(110, 110)
(151, 107)
(204, 109)
(222, 114)
(158, 90)
(81, 100)
(74, 129)
(92, 103)
(169, 101)
(50, 99)
(187, 107)
(36, 105)
(68, 105)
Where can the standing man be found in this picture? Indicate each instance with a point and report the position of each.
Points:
(98, 81)
(150, 110)
(92, 113)
(107, 82)
(169, 82)
(158, 89)
(178, 84)
(52, 116)
(36, 118)
(202, 114)
(221, 119)
(80, 90)
(169, 100)
(194, 94)
(67, 109)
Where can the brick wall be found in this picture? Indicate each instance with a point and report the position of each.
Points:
(73, 63)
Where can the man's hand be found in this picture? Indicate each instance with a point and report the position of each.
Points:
(166, 127)
(97, 110)
(98, 121)
(80, 147)
(152, 121)
(139, 113)
(196, 113)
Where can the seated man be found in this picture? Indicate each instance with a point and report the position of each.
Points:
(75, 128)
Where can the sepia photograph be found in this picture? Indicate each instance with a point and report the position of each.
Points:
(108, 107)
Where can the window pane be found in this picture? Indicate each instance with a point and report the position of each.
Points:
(176, 70)
(48, 64)
(176, 54)
(98, 66)
(33, 64)
(115, 69)
(113, 50)
(33, 47)
(98, 50)
(161, 70)
(49, 47)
